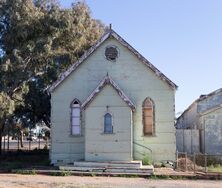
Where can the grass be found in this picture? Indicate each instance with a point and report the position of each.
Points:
(23, 159)
(146, 160)
(166, 177)
(215, 168)
(26, 172)
(61, 173)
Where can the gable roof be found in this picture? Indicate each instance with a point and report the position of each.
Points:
(201, 98)
(106, 35)
(108, 80)
(217, 107)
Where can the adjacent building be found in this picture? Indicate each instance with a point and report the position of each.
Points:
(199, 128)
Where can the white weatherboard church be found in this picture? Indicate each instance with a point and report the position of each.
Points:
(112, 105)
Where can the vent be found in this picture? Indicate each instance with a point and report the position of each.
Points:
(111, 53)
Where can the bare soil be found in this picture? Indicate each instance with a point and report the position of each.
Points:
(41, 181)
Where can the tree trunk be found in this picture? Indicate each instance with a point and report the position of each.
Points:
(8, 140)
(21, 138)
(0, 142)
(1, 134)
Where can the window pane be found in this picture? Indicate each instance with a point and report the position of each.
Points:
(75, 129)
(108, 123)
(76, 112)
(108, 129)
(148, 129)
(148, 111)
(76, 121)
(148, 122)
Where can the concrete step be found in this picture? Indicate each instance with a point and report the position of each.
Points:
(82, 168)
(130, 164)
(81, 173)
(148, 170)
(77, 168)
(140, 171)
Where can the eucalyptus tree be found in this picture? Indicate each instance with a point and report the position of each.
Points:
(39, 40)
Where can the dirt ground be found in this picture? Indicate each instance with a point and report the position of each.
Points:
(41, 181)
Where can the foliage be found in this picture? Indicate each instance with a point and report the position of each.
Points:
(6, 109)
(215, 168)
(26, 172)
(146, 160)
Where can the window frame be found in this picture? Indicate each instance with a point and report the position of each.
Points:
(118, 53)
(104, 125)
(153, 117)
(71, 118)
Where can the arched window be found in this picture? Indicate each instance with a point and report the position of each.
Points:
(108, 127)
(75, 117)
(148, 117)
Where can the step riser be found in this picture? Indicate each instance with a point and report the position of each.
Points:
(97, 164)
(109, 170)
(130, 171)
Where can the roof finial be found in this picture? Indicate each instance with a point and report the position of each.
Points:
(110, 26)
(107, 74)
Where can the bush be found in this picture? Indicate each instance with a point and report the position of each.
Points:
(146, 160)
(26, 172)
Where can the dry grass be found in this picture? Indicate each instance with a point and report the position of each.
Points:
(187, 164)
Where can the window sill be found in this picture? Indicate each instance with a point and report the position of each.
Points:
(149, 135)
(108, 133)
(76, 135)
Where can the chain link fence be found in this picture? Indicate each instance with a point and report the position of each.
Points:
(198, 162)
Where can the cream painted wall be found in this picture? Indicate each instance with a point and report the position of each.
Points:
(137, 81)
(108, 147)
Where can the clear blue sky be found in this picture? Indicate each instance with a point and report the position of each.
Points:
(181, 38)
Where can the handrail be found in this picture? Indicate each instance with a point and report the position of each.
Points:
(150, 150)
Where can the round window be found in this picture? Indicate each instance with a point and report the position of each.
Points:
(111, 53)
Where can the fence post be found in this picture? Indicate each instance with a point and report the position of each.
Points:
(39, 142)
(8, 139)
(185, 161)
(18, 141)
(194, 161)
(205, 162)
(29, 143)
(4, 144)
(177, 159)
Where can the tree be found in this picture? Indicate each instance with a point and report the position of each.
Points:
(6, 108)
(39, 40)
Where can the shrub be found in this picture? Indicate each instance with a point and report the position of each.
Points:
(26, 172)
(146, 160)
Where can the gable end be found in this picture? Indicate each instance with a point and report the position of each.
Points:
(108, 80)
(111, 33)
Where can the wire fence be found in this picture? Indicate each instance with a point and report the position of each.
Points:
(28, 145)
(199, 162)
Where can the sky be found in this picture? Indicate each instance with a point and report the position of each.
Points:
(182, 38)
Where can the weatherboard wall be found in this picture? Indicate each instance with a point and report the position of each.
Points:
(115, 146)
(137, 81)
